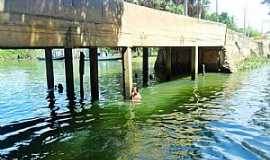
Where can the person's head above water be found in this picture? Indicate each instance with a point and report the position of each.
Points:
(60, 88)
(135, 89)
(135, 95)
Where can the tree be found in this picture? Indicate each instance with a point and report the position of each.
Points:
(197, 8)
(267, 2)
(225, 18)
(167, 5)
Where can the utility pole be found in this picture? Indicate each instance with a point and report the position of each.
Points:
(245, 17)
(186, 7)
(217, 10)
(199, 8)
(245, 14)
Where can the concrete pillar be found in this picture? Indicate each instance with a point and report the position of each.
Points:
(127, 72)
(49, 68)
(93, 54)
(69, 73)
(81, 72)
(168, 64)
(194, 62)
(145, 66)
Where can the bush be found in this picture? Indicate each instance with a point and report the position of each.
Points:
(252, 63)
(13, 54)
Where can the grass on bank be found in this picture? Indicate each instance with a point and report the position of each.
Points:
(14, 54)
(252, 63)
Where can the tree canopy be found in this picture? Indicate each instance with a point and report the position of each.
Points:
(267, 2)
(196, 7)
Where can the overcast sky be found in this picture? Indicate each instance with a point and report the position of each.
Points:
(256, 12)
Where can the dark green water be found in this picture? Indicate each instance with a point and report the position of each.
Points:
(219, 116)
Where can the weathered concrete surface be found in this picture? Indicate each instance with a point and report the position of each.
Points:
(239, 47)
(161, 70)
(266, 46)
(99, 23)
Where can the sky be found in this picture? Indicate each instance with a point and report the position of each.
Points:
(257, 13)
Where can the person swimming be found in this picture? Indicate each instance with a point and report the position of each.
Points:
(135, 95)
(60, 88)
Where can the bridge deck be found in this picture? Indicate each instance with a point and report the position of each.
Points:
(100, 23)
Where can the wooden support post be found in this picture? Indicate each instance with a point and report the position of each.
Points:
(81, 71)
(49, 68)
(69, 73)
(194, 62)
(168, 64)
(93, 54)
(127, 72)
(203, 70)
(145, 66)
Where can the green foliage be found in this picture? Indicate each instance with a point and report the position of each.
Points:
(252, 63)
(157, 4)
(250, 32)
(199, 8)
(174, 8)
(225, 18)
(196, 7)
(12, 54)
(166, 5)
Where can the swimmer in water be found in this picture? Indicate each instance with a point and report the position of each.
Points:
(135, 95)
(60, 88)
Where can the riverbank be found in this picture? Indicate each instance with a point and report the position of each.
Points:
(15, 54)
(252, 63)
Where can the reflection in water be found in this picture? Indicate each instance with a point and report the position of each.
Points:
(217, 117)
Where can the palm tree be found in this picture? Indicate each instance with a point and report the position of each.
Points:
(198, 8)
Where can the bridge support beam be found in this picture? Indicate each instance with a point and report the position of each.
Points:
(93, 54)
(69, 74)
(127, 72)
(145, 66)
(194, 62)
(49, 68)
(81, 71)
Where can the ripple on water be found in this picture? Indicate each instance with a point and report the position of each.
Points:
(215, 118)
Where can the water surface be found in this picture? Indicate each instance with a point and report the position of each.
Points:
(219, 116)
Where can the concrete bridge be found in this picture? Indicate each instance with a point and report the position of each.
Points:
(69, 24)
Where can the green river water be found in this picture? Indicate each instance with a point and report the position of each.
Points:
(219, 116)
